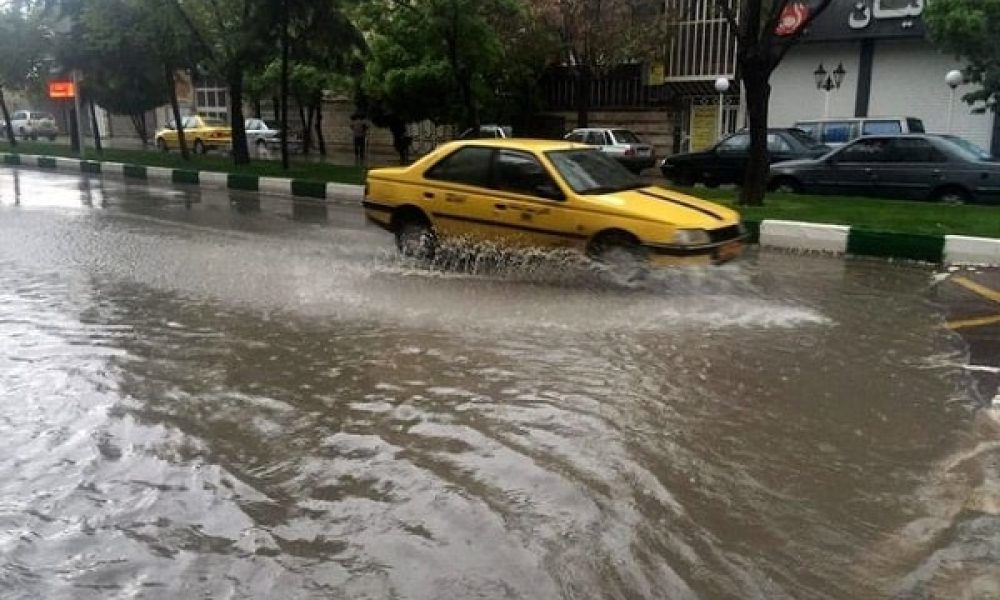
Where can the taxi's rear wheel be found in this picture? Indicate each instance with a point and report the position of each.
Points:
(622, 255)
(161, 145)
(199, 147)
(415, 239)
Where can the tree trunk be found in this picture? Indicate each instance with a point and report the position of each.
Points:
(256, 109)
(284, 85)
(74, 130)
(8, 128)
(241, 154)
(95, 129)
(583, 80)
(758, 95)
(175, 107)
(306, 134)
(139, 124)
(320, 140)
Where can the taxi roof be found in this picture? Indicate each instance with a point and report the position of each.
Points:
(520, 144)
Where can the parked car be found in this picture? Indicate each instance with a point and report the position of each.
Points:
(266, 135)
(620, 144)
(726, 162)
(201, 134)
(487, 132)
(913, 166)
(34, 124)
(546, 194)
(837, 132)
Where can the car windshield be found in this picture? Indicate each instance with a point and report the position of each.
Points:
(624, 136)
(589, 171)
(805, 139)
(271, 124)
(967, 149)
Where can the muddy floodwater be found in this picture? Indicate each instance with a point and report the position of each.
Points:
(205, 395)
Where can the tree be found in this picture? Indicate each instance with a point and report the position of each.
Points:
(761, 46)
(235, 36)
(968, 29)
(598, 35)
(21, 46)
(433, 59)
(130, 52)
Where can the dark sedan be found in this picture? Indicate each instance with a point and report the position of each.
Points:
(915, 166)
(726, 162)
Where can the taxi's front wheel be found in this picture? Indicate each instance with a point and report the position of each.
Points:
(416, 239)
(622, 256)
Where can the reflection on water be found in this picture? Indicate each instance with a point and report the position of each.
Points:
(198, 403)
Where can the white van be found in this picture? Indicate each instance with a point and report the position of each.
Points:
(837, 132)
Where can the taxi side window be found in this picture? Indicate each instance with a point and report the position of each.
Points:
(521, 173)
(468, 166)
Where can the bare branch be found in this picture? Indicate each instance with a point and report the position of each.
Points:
(729, 12)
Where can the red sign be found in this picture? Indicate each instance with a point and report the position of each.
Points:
(793, 17)
(61, 90)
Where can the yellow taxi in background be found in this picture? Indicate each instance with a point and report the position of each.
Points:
(201, 134)
(550, 194)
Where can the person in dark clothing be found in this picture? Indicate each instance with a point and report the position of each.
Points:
(359, 130)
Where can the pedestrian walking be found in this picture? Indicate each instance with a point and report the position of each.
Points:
(359, 130)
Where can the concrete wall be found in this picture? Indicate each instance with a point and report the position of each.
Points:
(794, 95)
(908, 78)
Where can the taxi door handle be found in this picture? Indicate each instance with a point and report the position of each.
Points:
(428, 195)
(500, 206)
(454, 198)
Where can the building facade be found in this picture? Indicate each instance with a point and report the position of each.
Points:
(891, 69)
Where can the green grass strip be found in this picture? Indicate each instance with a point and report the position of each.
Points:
(248, 183)
(929, 248)
(185, 176)
(46, 162)
(12, 159)
(89, 166)
(309, 189)
(134, 171)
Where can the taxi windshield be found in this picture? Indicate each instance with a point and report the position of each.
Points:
(589, 171)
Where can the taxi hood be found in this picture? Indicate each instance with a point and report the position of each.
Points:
(668, 206)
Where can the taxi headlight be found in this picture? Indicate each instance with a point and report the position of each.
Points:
(690, 237)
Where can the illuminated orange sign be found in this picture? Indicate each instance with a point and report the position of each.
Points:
(59, 90)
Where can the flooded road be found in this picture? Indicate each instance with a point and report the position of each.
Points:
(205, 395)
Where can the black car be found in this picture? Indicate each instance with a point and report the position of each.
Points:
(726, 162)
(913, 166)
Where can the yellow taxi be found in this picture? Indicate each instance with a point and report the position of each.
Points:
(550, 194)
(201, 134)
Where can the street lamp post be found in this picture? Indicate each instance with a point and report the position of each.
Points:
(828, 82)
(953, 79)
(721, 86)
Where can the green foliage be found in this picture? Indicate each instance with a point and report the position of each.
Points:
(968, 28)
(22, 48)
(434, 59)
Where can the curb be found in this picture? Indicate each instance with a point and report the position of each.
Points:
(845, 240)
(771, 233)
(304, 188)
